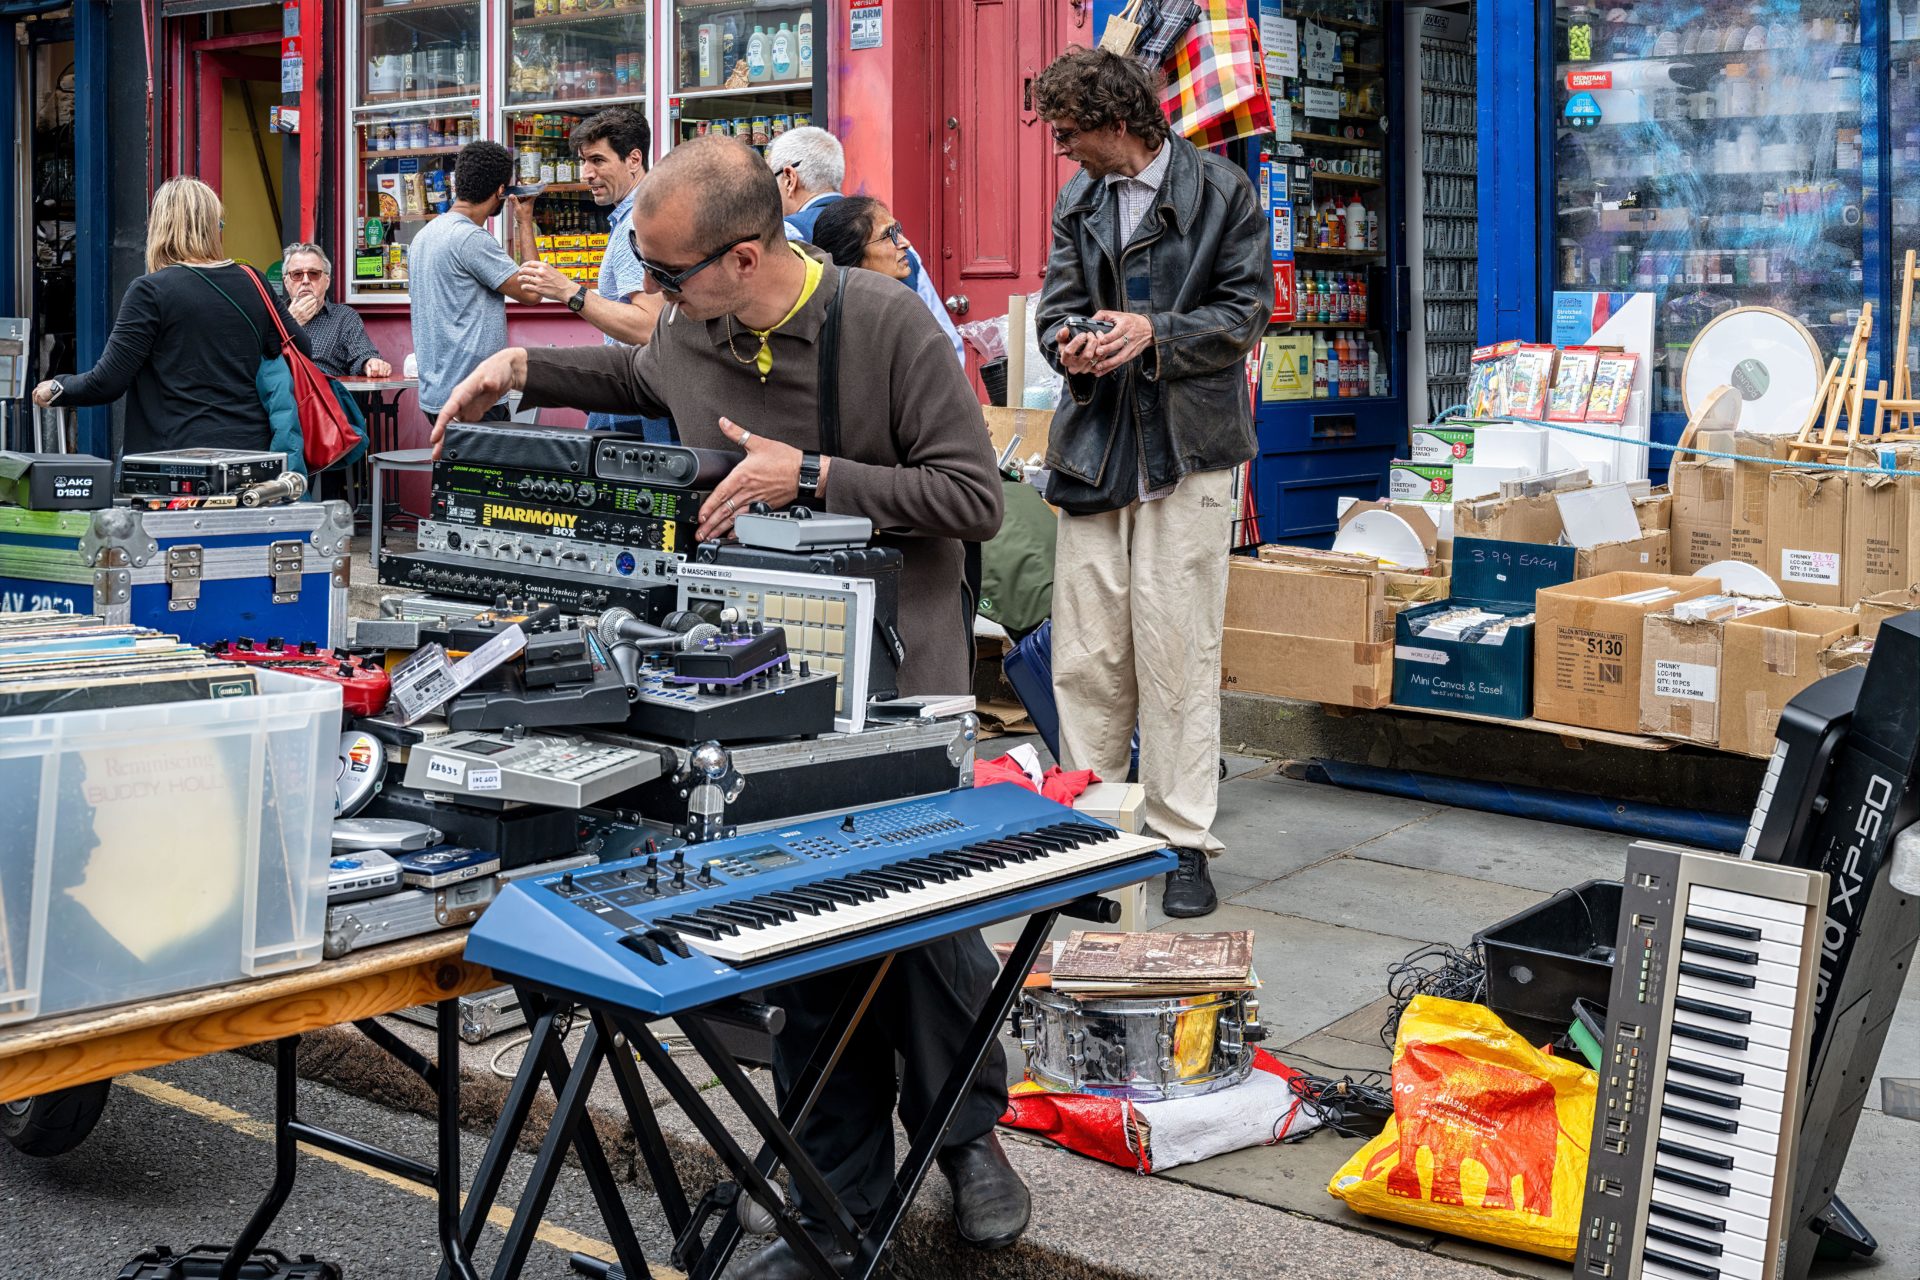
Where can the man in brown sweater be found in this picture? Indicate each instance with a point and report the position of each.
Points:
(734, 362)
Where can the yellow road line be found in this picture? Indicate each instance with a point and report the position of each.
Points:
(240, 1122)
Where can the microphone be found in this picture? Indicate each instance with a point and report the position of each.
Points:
(289, 486)
(625, 636)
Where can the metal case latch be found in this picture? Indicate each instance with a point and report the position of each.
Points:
(285, 560)
(184, 566)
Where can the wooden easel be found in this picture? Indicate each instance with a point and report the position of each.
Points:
(1902, 409)
(1843, 392)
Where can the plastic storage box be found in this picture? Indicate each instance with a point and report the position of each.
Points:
(1541, 960)
(146, 851)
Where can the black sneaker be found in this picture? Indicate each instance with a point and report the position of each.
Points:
(1189, 887)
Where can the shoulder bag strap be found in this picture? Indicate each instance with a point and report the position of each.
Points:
(273, 312)
(829, 390)
(229, 297)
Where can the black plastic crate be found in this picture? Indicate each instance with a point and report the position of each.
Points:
(1558, 951)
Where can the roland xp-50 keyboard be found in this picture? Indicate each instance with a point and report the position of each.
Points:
(668, 933)
(1691, 1174)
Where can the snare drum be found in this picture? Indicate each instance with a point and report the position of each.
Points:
(1144, 1048)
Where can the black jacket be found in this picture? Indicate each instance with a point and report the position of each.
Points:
(1200, 265)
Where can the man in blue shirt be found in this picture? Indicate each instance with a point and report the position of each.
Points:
(612, 147)
(811, 167)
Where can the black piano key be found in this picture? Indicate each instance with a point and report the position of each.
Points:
(1698, 1181)
(980, 850)
(928, 867)
(780, 910)
(1705, 1121)
(956, 863)
(1707, 1035)
(976, 859)
(1724, 928)
(1682, 1265)
(1708, 1009)
(1706, 973)
(872, 882)
(840, 892)
(746, 913)
(904, 881)
(1657, 1232)
(1668, 1147)
(1718, 952)
(1053, 844)
(726, 921)
(1687, 1066)
(1692, 1217)
(698, 928)
(1010, 850)
(794, 901)
(1680, 1089)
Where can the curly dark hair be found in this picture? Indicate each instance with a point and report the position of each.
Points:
(480, 170)
(844, 227)
(1095, 88)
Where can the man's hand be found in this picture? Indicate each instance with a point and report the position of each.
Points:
(46, 393)
(520, 209)
(545, 279)
(1076, 350)
(770, 473)
(378, 368)
(1132, 333)
(480, 390)
(304, 307)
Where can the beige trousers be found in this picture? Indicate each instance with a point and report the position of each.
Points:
(1139, 599)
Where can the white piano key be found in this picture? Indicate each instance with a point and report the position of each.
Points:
(1790, 933)
(1747, 1135)
(1736, 1271)
(1778, 953)
(1769, 1081)
(1759, 1006)
(1761, 1162)
(1740, 1219)
(1763, 990)
(1732, 1243)
(1763, 1055)
(1790, 913)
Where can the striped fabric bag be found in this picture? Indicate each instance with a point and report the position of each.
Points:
(1216, 78)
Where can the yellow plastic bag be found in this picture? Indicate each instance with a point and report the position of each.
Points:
(1488, 1138)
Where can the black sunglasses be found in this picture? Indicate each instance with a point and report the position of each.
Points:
(674, 281)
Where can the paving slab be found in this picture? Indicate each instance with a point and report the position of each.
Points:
(1273, 825)
(1421, 906)
(1881, 1184)
(1324, 1055)
(1508, 1260)
(1313, 972)
(1225, 883)
(1362, 1026)
(1505, 850)
(1900, 1056)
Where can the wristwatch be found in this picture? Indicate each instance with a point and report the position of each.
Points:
(809, 475)
(578, 302)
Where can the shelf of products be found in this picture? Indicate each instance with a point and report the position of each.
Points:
(1445, 217)
(426, 50)
(1723, 167)
(404, 180)
(558, 54)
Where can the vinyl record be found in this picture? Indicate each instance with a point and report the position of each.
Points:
(1767, 356)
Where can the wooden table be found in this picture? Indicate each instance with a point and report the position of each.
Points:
(58, 1053)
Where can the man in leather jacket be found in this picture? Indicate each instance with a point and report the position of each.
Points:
(1163, 246)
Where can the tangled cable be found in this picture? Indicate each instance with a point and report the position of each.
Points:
(1452, 973)
(1351, 1108)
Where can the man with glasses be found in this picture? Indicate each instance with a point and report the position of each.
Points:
(1164, 248)
(735, 361)
(334, 330)
(613, 147)
(810, 166)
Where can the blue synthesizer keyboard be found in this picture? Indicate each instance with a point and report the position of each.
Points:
(672, 932)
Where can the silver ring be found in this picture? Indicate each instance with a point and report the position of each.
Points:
(729, 505)
(745, 435)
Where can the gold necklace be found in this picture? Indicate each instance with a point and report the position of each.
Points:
(753, 359)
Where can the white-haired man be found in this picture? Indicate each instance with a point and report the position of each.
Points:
(334, 330)
(810, 166)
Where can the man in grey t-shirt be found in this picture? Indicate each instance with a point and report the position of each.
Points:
(460, 277)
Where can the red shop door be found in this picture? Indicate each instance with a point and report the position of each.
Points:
(995, 167)
(218, 127)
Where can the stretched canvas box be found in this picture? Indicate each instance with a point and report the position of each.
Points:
(1489, 679)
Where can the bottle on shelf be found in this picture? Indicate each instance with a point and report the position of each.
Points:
(782, 59)
(803, 45)
(758, 71)
(1319, 366)
(732, 49)
(1333, 369)
(1356, 229)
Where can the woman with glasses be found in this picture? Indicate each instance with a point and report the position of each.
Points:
(860, 231)
(189, 338)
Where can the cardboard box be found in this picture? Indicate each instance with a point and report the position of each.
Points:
(1881, 512)
(1589, 647)
(1848, 651)
(1702, 521)
(1031, 425)
(1343, 672)
(1876, 609)
(1807, 534)
(1284, 599)
(1655, 511)
(1446, 445)
(1535, 519)
(1419, 482)
(1648, 553)
(1680, 678)
(1467, 675)
(1768, 658)
(1747, 531)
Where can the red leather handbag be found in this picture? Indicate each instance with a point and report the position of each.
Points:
(327, 435)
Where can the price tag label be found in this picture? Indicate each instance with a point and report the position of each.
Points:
(484, 778)
(452, 772)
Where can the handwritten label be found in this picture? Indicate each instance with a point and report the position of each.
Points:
(1694, 680)
(1810, 566)
(441, 769)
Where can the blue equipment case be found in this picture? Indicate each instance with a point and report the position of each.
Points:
(201, 575)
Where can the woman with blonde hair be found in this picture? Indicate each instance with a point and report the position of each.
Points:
(189, 338)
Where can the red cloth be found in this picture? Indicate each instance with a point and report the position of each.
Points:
(1056, 784)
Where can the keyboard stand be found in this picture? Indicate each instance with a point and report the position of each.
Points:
(612, 1030)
